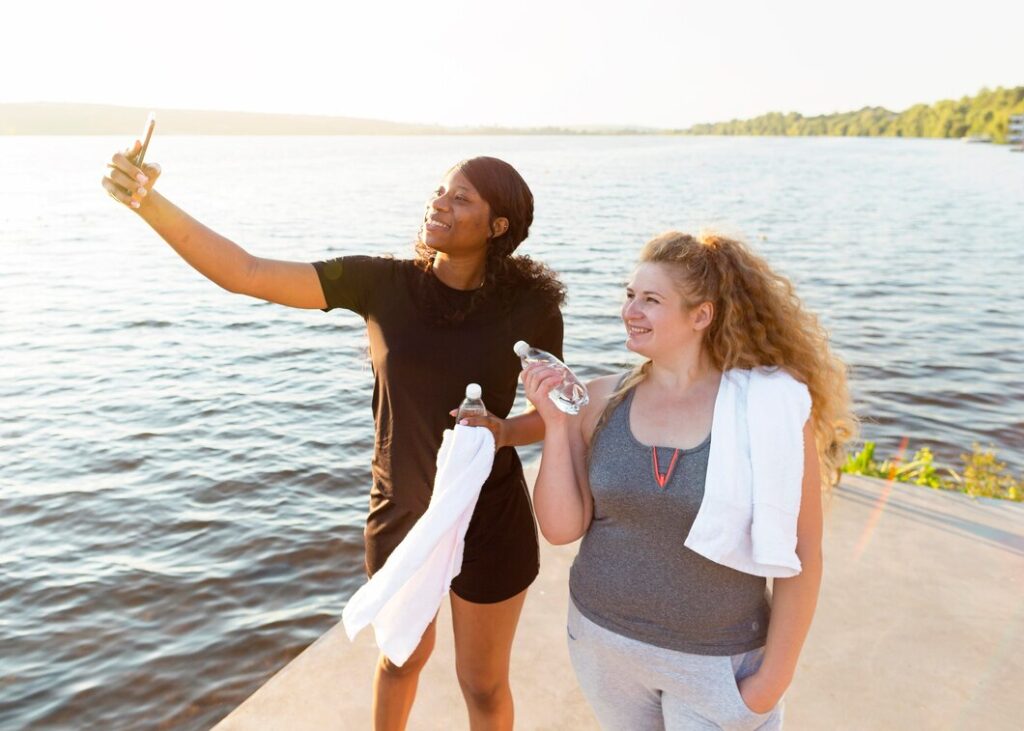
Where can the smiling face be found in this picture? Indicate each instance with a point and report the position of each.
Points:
(659, 322)
(457, 219)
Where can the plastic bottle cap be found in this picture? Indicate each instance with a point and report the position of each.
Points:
(473, 390)
(522, 348)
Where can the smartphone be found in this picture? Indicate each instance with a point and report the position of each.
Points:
(147, 134)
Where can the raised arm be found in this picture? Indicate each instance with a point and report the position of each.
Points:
(561, 496)
(217, 258)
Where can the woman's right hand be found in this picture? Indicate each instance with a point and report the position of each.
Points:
(538, 380)
(126, 183)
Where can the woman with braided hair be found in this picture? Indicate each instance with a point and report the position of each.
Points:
(446, 318)
(692, 479)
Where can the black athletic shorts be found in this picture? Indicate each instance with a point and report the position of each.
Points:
(501, 557)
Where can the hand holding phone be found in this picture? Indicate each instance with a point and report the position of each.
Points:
(147, 134)
(126, 181)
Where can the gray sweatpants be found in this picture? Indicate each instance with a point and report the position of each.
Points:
(634, 686)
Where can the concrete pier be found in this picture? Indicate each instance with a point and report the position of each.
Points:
(920, 626)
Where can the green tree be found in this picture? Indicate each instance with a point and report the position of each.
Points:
(987, 114)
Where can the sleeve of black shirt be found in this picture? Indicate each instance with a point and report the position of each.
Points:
(549, 331)
(350, 282)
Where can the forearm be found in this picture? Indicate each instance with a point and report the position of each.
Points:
(557, 498)
(215, 257)
(793, 603)
(526, 428)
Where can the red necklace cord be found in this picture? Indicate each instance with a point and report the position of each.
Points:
(663, 479)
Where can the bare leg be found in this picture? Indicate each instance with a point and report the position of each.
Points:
(483, 648)
(394, 687)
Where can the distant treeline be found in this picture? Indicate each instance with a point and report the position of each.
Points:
(50, 118)
(982, 115)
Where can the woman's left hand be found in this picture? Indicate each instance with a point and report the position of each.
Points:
(760, 693)
(495, 424)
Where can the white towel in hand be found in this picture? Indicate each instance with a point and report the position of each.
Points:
(402, 598)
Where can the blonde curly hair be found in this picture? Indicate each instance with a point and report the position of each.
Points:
(758, 322)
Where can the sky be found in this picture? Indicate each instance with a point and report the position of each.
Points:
(651, 63)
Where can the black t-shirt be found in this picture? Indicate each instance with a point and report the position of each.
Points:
(421, 368)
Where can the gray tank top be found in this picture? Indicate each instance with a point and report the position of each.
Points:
(634, 576)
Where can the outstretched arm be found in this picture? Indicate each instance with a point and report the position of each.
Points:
(215, 257)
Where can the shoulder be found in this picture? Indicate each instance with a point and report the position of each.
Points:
(354, 264)
(777, 387)
(533, 281)
(384, 269)
(530, 300)
(775, 377)
(600, 391)
(763, 376)
(355, 282)
(384, 264)
(538, 320)
(602, 387)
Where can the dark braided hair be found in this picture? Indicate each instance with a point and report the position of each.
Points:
(505, 275)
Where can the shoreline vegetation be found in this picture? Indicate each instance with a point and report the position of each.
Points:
(982, 475)
(982, 117)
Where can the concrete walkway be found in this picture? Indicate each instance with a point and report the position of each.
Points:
(920, 626)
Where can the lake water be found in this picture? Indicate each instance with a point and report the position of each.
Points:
(184, 472)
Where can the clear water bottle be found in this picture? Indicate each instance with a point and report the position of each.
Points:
(473, 405)
(570, 395)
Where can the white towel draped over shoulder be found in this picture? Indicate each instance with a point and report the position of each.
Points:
(402, 598)
(747, 519)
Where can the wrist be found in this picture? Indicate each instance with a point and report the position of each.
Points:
(501, 433)
(553, 417)
(556, 431)
(774, 680)
(147, 205)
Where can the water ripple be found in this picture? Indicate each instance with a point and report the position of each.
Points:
(185, 472)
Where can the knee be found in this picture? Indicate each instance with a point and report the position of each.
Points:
(416, 662)
(482, 691)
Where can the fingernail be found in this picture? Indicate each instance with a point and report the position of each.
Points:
(464, 422)
(142, 178)
(134, 204)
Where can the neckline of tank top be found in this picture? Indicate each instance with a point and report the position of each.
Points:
(629, 430)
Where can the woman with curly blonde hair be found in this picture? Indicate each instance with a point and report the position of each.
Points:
(692, 479)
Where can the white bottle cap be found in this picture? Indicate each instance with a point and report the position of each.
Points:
(473, 390)
(522, 348)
